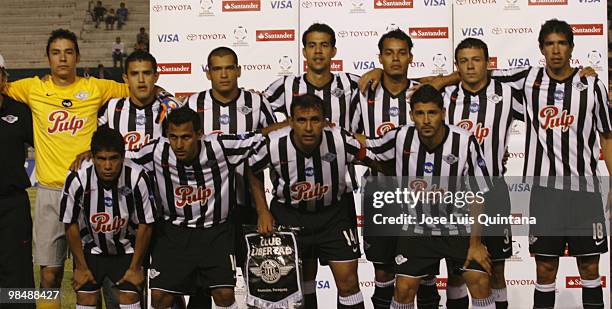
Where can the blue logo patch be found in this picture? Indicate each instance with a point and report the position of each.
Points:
(108, 201)
(394, 111)
(309, 171)
(474, 107)
(428, 167)
(559, 94)
(224, 119)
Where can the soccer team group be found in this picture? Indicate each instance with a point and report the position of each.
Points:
(161, 187)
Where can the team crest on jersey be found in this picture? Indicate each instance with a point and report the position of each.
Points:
(224, 119)
(450, 159)
(82, 95)
(125, 191)
(384, 128)
(245, 110)
(328, 157)
(101, 223)
(187, 195)
(242, 136)
(474, 107)
(337, 92)
(580, 86)
(306, 191)
(428, 167)
(190, 175)
(10, 118)
(309, 171)
(494, 98)
(393, 111)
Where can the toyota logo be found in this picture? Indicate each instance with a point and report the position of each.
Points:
(307, 4)
(157, 8)
(497, 30)
(343, 34)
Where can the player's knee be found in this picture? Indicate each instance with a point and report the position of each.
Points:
(405, 290)
(87, 299)
(161, 299)
(478, 283)
(128, 298)
(348, 285)
(546, 270)
(588, 267)
(50, 277)
(223, 297)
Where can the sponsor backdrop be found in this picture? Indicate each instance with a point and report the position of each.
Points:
(266, 35)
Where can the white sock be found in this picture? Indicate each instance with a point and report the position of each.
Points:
(456, 292)
(351, 300)
(396, 305)
(135, 305)
(595, 283)
(85, 307)
(546, 287)
(483, 303)
(500, 295)
(384, 284)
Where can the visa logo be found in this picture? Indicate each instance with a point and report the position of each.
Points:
(323, 284)
(472, 31)
(168, 38)
(518, 62)
(435, 2)
(519, 187)
(281, 5)
(363, 65)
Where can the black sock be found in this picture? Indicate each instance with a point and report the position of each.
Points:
(459, 303)
(427, 296)
(501, 305)
(310, 301)
(592, 298)
(383, 293)
(201, 300)
(544, 296)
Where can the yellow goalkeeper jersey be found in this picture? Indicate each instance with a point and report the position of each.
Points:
(64, 119)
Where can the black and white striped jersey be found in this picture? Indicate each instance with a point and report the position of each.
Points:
(136, 124)
(456, 164)
(488, 114)
(197, 194)
(308, 181)
(340, 96)
(107, 215)
(563, 119)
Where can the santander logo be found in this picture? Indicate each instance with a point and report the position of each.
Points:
(135, 140)
(187, 195)
(62, 122)
(305, 191)
(274, 35)
(101, 223)
(550, 118)
(480, 132)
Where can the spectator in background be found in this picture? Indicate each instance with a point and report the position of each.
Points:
(122, 15)
(98, 12)
(143, 37)
(110, 19)
(118, 52)
(102, 74)
(139, 46)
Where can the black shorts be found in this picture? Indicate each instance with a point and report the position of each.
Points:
(242, 215)
(329, 234)
(112, 267)
(498, 237)
(187, 259)
(419, 256)
(571, 218)
(380, 249)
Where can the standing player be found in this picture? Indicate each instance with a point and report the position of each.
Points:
(565, 114)
(486, 108)
(108, 212)
(308, 163)
(228, 109)
(380, 110)
(64, 110)
(194, 177)
(16, 269)
(428, 149)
